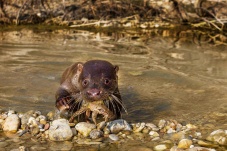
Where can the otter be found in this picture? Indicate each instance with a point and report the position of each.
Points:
(89, 82)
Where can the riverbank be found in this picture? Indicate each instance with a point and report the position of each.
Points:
(34, 131)
(125, 14)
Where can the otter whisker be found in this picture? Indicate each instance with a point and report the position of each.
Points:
(120, 102)
(113, 106)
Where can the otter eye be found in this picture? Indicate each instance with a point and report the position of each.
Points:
(107, 81)
(85, 82)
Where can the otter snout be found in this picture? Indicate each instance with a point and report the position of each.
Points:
(94, 94)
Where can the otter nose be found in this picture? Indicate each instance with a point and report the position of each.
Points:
(94, 93)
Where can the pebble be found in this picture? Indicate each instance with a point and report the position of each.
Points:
(113, 137)
(191, 126)
(162, 123)
(47, 126)
(60, 131)
(160, 147)
(11, 123)
(95, 134)
(153, 134)
(139, 148)
(26, 116)
(35, 130)
(118, 125)
(10, 112)
(174, 148)
(206, 144)
(152, 126)
(38, 147)
(184, 143)
(218, 136)
(119, 130)
(74, 131)
(139, 127)
(85, 128)
(50, 115)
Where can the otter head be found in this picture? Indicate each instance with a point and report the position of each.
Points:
(97, 80)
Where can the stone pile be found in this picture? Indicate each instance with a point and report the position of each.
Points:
(167, 134)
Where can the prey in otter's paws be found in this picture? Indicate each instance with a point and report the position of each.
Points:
(90, 89)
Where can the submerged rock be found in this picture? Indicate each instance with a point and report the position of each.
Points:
(11, 123)
(60, 131)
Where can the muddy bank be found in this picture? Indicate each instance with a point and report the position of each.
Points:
(134, 14)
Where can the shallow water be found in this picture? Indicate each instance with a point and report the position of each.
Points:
(163, 73)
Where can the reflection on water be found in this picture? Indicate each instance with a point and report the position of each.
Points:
(163, 73)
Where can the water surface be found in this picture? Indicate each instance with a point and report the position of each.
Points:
(163, 73)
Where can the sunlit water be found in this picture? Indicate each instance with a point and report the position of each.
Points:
(163, 74)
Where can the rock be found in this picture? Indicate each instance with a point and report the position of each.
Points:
(178, 136)
(153, 134)
(139, 127)
(218, 132)
(50, 115)
(174, 148)
(152, 126)
(200, 149)
(206, 144)
(191, 126)
(162, 124)
(42, 121)
(32, 121)
(113, 137)
(218, 136)
(35, 130)
(95, 134)
(74, 131)
(11, 123)
(118, 125)
(170, 130)
(47, 126)
(38, 147)
(26, 116)
(10, 112)
(139, 148)
(155, 138)
(145, 130)
(184, 143)
(60, 131)
(85, 128)
(160, 147)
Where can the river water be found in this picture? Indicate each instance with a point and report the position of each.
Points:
(164, 74)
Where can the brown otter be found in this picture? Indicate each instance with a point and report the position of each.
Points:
(93, 81)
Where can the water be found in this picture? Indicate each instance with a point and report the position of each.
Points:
(163, 73)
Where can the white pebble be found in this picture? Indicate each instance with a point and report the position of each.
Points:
(113, 137)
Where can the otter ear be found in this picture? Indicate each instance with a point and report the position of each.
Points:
(116, 68)
(79, 67)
